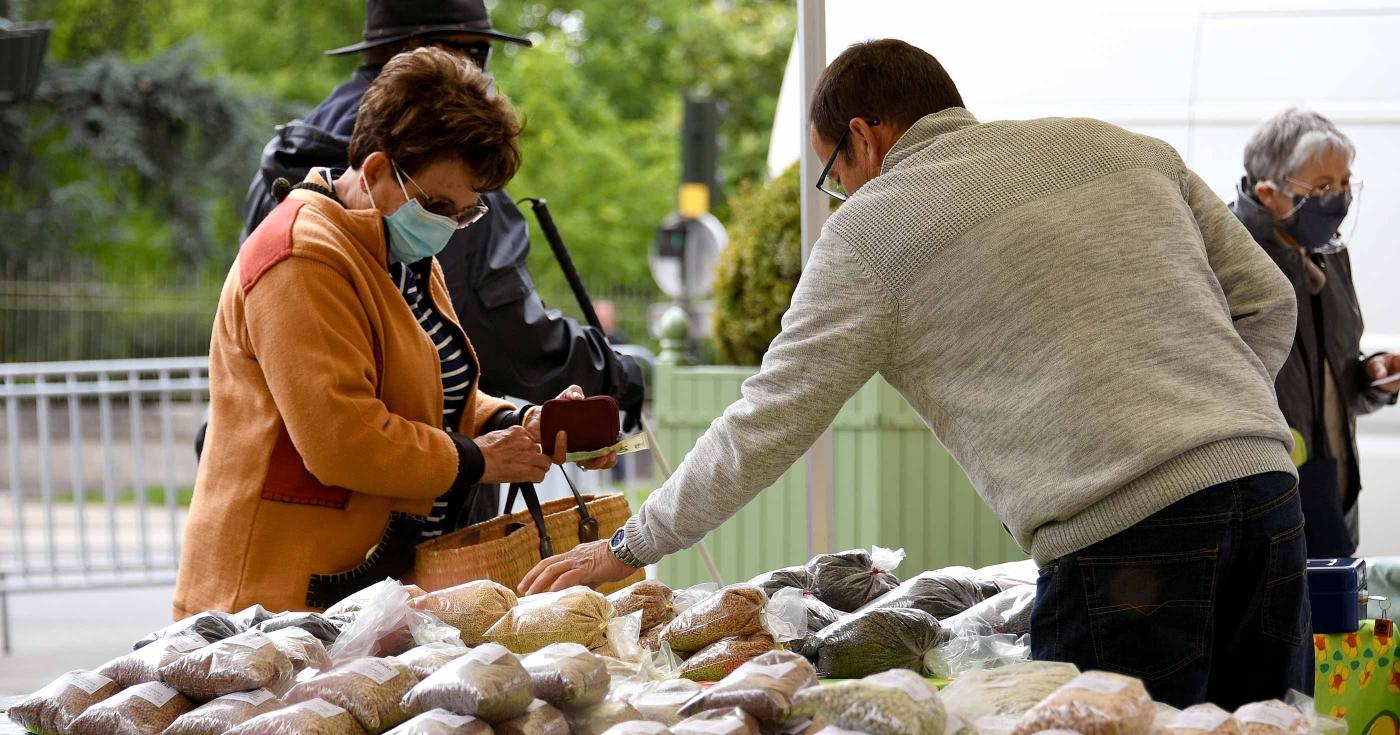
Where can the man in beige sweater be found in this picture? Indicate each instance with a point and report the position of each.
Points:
(1092, 335)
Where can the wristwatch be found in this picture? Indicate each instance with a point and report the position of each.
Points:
(618, 545)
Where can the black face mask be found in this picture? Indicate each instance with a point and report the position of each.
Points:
(1315, 219)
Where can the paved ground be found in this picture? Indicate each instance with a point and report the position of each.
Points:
(52, 633)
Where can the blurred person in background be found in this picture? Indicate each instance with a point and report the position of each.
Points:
(1297, 189)
(527, 350)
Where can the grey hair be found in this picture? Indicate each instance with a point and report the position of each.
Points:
(1288, 140)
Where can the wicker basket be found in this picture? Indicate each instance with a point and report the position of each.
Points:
(504, 549)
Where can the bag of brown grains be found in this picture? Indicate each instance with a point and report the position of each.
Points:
(717, 660)
(370, 689)
(568, 676)
(1202, 719)
(718, 722)
(442, 722)
(488, 682)
(879, 640)
(224, 713)
(471, 608)
(240, 663)
(314, 623)
(661, 701)
(212, 626)
(942, 593)
(303, 649)
(850, 579)
(1269, 718)
(425, 660)
(736, 610)
(1094, 703)
(312, 717)
(143, 664)
(898, 702)
(52, 709)
(539, 719)
(144, 709)
(651, 597)
(764, 687)
(574, 615)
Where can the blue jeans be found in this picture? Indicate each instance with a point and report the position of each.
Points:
(1206, 600)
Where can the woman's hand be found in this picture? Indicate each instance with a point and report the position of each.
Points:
(572, 393)
(511, 455)
(1383, 366)
(589, 564)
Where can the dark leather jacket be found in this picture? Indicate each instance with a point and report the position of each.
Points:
(526, 350)
(1337, 310)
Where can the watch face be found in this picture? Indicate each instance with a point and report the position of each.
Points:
(616, 541)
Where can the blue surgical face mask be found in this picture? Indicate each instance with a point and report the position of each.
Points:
(1315, 219)
(414, 232)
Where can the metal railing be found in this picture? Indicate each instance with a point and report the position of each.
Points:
(98, 466)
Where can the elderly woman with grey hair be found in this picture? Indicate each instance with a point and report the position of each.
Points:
(1295, 193)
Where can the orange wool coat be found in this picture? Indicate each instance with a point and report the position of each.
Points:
(325, 407)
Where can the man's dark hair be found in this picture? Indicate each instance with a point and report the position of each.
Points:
(886, 80)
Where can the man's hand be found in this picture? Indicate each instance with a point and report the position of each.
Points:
(589, 564)
(1383, 366)
(511, 455)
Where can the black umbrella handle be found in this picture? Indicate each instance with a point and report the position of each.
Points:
(566, 262)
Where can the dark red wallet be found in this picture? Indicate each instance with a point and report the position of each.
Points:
(590, 424)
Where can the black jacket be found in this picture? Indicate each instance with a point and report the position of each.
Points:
(525, 349)
(1338, 312)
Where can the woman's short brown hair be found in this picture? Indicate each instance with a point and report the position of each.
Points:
(428, 104)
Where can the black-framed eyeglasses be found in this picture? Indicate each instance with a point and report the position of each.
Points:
(837, 192)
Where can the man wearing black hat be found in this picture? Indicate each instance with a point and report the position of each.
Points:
(526, 350)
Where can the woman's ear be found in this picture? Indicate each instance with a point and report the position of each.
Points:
(1279, 204)
(374, 167)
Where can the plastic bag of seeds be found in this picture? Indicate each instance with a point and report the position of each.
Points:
(638, 727)
(538, 719)
(661, 701)
(143, 664)
(370, 689)
(252, 617)
(442, 722)
(141, 710)
(487, 682)
(241, 663)
(1011, 574)
(1202, 719)
(797, 578)
(850, 579)
(718, 722)
(357, 601)
(384, 625)
(736, 610)
(599, 718)
(314, 623)
(652, 598)
(425, 660)
(898, 702)
(763, 687)
(879, 640)
(1269, 718)
(568, 676)
(224, 713)
(1006, 612)
(52, 709)
(1008, 691)
(717, 660)
(312, 717)
(942, 593)
(303, 649)
(472, 608)
(574, 615)
(212, 626)
(1094, 703)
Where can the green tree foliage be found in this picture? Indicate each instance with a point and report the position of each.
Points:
(758, 270)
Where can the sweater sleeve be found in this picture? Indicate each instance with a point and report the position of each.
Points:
(835, 336)
(309, 332)
(1262, 303)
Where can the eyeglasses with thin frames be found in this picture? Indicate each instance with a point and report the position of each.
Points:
(465, 218)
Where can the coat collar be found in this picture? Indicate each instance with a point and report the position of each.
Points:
(364, 228)
(924, 132)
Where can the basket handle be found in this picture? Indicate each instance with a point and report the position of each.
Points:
(532, 503)
(587, 524)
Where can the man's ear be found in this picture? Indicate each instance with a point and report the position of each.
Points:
(863, 139)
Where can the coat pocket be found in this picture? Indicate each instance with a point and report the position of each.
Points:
(288, 481)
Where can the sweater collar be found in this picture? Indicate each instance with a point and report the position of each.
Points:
(924, 132)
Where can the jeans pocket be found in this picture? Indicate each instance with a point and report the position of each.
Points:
(1285, 605)
(1149, 613)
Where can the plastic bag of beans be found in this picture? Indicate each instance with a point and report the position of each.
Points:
(652, 598)
(850, 579)
(252, 616)
(141, 710)
(719, 659)
(425, 660)
(942, 593)
(1094, 703)
(225, 713)
(211, 626)
(312, 717)
(314, 623)
(661, 701)
(357, 601)
(567, 676)
(488, 682)
(303, 649)
(897, 702)
(1006, 612)
(384, 625)
(574, 615)
(1202, 719)
(143, 664)
(736, 610)
(1007, 691)
(763, 687)
(598, 719)
(718, 722)
(370, 689)
(472, 608)
(442, 722)
(241, 663)
(1267, 718)
(538, 719)
(51, 710)
(879, 640)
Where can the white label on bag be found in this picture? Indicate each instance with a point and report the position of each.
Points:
(1202, 718)
(915, 688)
(489, 653)
(1262, 712)
(1092, 682)
(254, 698)
(252, 640)
(323, 708)
(775, 671)
(449, 719)
(372, 669)
(157, 694)
(185, 642)
(86, 681)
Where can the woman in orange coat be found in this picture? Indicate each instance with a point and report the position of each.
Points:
(345, 421)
